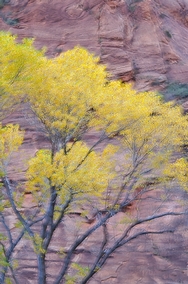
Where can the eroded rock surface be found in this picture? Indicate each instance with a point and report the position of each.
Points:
(147, 259)
(141, 41)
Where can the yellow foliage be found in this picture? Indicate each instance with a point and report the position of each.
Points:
(71, 93)
(17, 61)
(179, 171)
(39, 172)
(66, 90)
(81, 270)
(8, 280)
(10, 140)
(150, 130)
(78, 171)
(38, 244)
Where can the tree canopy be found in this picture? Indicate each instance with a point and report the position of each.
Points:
(71, 95)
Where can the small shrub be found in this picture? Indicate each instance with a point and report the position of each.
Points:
(2, 3)
(11, 22)
(175, 90)
(168, 34)
(162, 16)
(132, 5)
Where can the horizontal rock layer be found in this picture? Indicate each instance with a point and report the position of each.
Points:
(142, 41)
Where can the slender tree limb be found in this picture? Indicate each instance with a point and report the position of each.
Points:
(13, 275)
(65, 206)
(103, 220)
(13, 244)
(102, 138)
(119, 244)
(79, 241)
(101, 252)
(17, 213)
(7, 229)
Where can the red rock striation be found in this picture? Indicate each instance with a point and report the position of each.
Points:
(141, 41)
(150, 259)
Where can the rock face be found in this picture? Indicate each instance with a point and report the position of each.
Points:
(158, 259)
(143, 41)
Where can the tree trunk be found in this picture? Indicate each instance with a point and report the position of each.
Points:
(41, 269)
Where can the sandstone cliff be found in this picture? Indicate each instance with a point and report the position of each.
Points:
(143, 41)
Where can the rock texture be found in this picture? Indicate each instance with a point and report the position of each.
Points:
(143, 41)
(151, 259)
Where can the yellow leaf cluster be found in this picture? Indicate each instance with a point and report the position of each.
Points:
(10, 140)
(17, 61)
(39, 172)
(38, 243)
(150, 130)
(18, 64)
(179, 171)
(80, 271)
(78, 171)
(65, 90)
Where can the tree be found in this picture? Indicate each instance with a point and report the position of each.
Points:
(71, 95)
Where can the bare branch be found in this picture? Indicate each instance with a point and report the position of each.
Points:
(119, 244)
(102, 138)
(101, 253)
(102, 221)
(7, 229)
(13, 274)
(12, 246)
(55, 224)
(11, 200)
